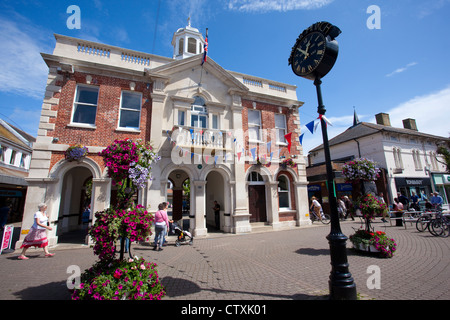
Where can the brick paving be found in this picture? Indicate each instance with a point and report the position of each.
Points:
(278, 265)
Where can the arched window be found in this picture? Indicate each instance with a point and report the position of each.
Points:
(199, 113)
(284, 192)
(192, 45)
(255, 177)
(181, 46)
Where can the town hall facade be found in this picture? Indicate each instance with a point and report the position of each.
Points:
(228, 134)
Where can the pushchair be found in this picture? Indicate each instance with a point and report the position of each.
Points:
(183, 236)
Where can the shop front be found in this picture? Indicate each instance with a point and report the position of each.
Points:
(442, 186)
(407, 186)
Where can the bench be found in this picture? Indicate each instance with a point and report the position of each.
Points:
(406, 216)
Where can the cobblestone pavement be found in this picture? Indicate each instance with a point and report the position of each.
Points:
(280, 265)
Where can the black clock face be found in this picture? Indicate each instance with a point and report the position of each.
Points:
(308, 53)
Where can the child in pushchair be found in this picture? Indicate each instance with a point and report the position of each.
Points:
(183, 236)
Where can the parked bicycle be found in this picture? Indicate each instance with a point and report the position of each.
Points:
(440, 226)
(325, 217)
(437, 226)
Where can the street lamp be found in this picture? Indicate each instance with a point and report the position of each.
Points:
(312, 57)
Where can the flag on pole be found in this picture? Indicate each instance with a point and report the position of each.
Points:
(205, 47)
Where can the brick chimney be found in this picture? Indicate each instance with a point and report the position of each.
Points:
(383, 119)
(410, 124)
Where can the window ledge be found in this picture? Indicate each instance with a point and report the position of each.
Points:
(82, 125)
(129, 130)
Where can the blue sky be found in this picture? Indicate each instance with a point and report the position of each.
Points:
(401, 69)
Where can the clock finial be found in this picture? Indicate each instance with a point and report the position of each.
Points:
(189, 21)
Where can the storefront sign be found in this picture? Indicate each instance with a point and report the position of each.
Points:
(7, 237)
(446, 179)
(411, 182)
(344, 187)
(314, 187)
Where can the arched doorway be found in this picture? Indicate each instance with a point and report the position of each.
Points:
(179, 196)
(215, 191)
(75, 199)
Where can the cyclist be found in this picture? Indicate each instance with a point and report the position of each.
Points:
(316, 207)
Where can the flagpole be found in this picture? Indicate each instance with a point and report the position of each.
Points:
(205, 52)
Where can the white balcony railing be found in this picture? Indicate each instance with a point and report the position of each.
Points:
(187, 137)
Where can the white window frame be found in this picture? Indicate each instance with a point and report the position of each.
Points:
(199, 111)
(288, 191)
(121, 108)
(75, 105)
(398, 158)
(251, 181)
(416, 159)
(254, 125)
(280, 139)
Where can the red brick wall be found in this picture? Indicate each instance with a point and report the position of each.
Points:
(268, 112)
(107, 111)
(107, 116)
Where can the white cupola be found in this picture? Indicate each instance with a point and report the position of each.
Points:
(187, 42)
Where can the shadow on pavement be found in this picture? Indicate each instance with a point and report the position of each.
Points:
(176, 287)
(49, 291)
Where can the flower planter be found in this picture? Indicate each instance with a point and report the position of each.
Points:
(365, 248)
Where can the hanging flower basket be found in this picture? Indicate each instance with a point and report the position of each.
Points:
(360, 169)
(288, 163)
(76, 153)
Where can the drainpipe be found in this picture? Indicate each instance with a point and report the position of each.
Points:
(359, 149)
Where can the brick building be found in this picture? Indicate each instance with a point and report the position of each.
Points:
(223, 132)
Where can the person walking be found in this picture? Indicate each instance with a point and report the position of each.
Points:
(385, 211)
(216, 209)
(348, 206)
(161, 225)
(37, 237)
(342, 210)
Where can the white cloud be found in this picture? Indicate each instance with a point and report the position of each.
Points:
(403, 69)
(23, 70)
(430, 112)
(276, 5)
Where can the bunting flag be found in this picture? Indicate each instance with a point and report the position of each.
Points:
(205, 48)
(269, 144)
(300, 139)
(253, 151)
(288, 139)
(310, 126)
(321, 116)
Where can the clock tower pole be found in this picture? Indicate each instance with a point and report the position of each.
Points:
(341, 284)
(312, 57)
